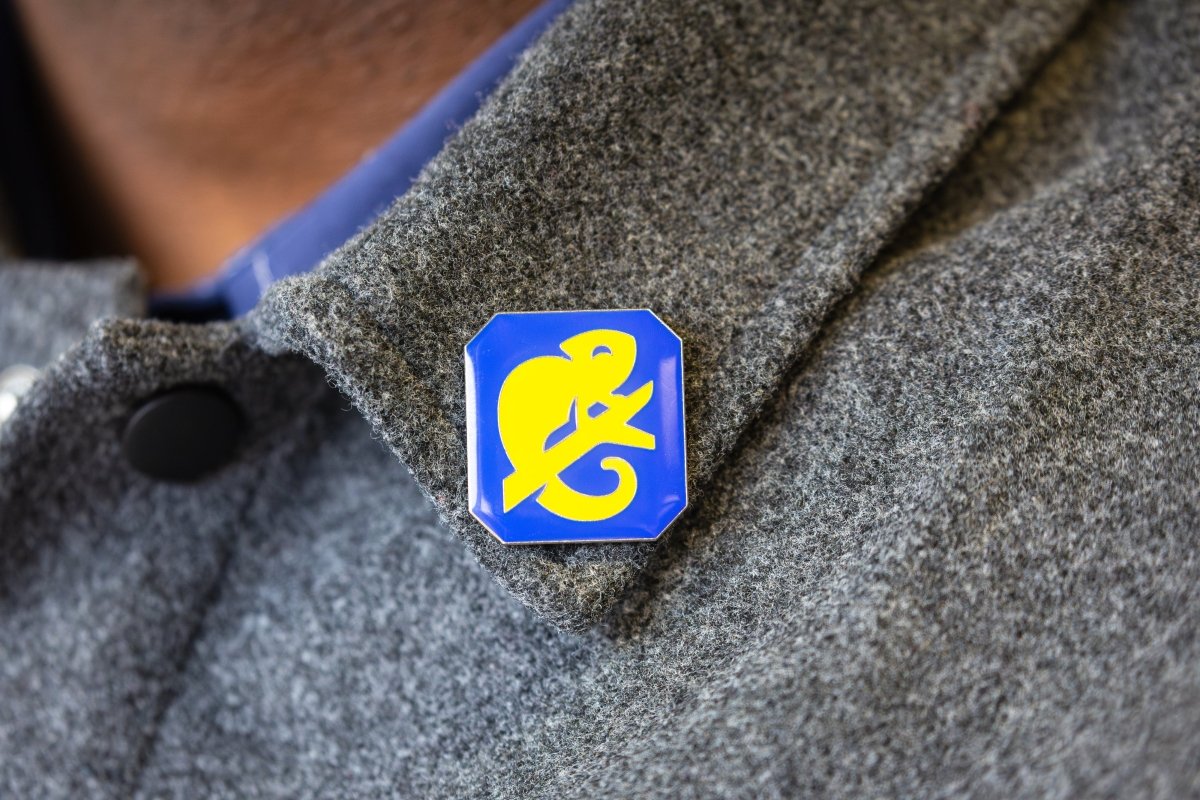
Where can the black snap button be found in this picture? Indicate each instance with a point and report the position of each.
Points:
(183, 434)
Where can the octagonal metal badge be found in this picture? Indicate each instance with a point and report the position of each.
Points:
(575, 426)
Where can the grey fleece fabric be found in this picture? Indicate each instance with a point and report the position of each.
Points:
(45, 308)
(936, 267)
(732, 167)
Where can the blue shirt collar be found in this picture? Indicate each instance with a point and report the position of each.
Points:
(299, 242)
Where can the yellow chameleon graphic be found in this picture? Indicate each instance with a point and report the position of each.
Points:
(540, 396)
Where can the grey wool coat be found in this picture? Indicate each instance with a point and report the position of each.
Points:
(935, 265)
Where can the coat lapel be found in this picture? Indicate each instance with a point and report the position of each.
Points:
(734, 167)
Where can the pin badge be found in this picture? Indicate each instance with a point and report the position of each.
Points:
(575, 426)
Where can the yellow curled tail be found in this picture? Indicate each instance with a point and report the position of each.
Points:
(560, 499)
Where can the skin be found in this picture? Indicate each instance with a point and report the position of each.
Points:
(198, 123)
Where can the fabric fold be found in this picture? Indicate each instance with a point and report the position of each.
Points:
(587, 181)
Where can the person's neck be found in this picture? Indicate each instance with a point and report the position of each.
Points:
(200, 124)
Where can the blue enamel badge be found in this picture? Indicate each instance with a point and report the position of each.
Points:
(575, 426)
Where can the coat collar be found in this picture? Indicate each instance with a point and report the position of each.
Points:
(733, 167)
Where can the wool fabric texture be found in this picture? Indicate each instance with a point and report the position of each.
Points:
(935, 268)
